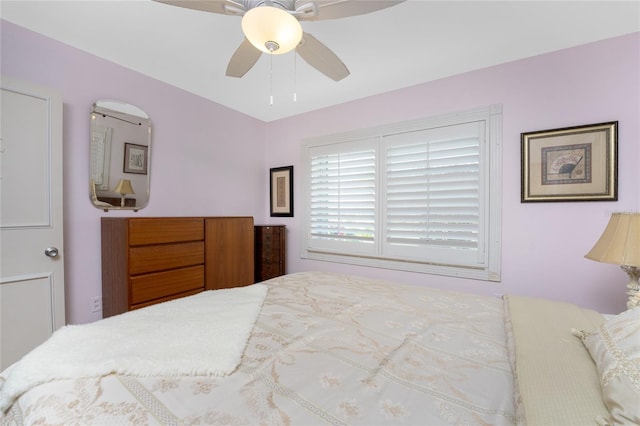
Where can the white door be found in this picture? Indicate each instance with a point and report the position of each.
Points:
(31, 281)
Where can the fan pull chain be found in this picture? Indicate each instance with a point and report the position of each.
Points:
(271, 80)
(295, 76)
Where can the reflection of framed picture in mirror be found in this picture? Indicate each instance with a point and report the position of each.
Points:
(135, 158)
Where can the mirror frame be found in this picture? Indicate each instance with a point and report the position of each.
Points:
(119, 156)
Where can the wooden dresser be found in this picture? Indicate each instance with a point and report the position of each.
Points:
(151, 260)
(270, 255)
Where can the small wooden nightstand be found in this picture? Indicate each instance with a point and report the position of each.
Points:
(270, 253)
(115, 201)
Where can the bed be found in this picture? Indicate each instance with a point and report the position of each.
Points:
(323, 348)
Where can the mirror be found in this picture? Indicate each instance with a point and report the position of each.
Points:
(119, 156)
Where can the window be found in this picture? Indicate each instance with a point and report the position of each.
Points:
(422, 196)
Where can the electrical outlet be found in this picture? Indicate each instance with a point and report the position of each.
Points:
(96, 304)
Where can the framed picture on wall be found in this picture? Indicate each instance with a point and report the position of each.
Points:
(281, 191)
(577, 163)
(135, 158)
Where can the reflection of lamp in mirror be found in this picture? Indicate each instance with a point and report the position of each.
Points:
(620, 245)
(123, 188)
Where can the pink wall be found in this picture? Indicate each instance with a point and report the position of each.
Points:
(543, 243)
(205, 159)
(209, 160)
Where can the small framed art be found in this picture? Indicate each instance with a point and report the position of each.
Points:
(577, 163)
(135, 158)
(281, 191)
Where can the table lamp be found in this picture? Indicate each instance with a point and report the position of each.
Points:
(620, 244)
(123, 188)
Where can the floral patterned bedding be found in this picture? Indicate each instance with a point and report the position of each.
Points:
(325, 349)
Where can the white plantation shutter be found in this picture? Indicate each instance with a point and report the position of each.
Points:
(422, 196)
(432, 197)
(342, 197)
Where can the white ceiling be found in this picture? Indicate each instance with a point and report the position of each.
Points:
(410, 43)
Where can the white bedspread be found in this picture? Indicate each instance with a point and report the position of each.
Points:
(201, 335)
(326, 349)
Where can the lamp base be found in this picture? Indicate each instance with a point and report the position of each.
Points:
(633, 288)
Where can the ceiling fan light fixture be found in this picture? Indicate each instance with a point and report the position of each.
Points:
(271, 29)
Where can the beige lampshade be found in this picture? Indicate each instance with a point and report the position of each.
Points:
(620, 241)
(271, 29)
(124, 187)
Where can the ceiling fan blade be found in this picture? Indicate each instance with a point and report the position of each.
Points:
(321, 58)
(225, 7)
(334, 9)
(243, 59)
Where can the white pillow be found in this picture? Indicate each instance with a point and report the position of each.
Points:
(615, 349)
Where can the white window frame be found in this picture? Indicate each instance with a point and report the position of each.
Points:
(488, 265)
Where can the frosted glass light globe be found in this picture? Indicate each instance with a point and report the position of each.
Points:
(271, 29)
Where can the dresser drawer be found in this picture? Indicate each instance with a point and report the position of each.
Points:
(164, 299)
(270, 271)
(270, 240)
(270, 229)
(269, 258)
(165, 230)
(164, 257)
(145, 288)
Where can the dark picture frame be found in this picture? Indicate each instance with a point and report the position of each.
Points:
(135, 158)
(578, 163)
(281, 191)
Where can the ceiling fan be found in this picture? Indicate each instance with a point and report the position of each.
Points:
(307, 46)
